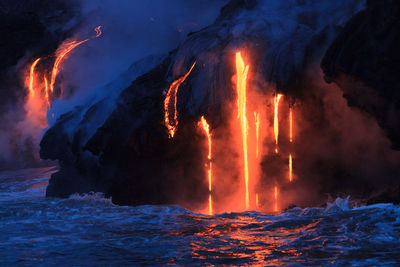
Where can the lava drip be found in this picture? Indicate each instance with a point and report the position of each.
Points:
(172, 94)
(32, 78)
(46, 90)
(257, 201)
(257, 124)
(291, 141)
(276, 120)
(276, 199)
(206, 128)
(290, 168)
(242, 71)
(36, 110)
(290, 124)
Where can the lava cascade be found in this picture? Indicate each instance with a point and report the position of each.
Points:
(40, 91)
(241, 76)
(206, 128)
(171, 98)
(257, 124)
(276, 120)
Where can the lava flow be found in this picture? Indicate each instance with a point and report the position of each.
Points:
(61, 54)
(63, 51)
(206, 129)
(242, 70)
(291, 141)
(290, 124)
(276, 198)
(276, 120)
(46, 90)
(257, 123)
(172, 93)
(290, 168)
(35, 98)
(257, 202)
(32, 78)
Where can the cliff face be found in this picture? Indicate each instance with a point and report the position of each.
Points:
(364, 61)
(127, 153)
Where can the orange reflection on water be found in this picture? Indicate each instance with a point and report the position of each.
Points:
(245, 240)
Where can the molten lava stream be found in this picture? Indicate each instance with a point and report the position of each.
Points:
(241, 73)
(276, 199)
(276, 120)
(206, 129)
(257, 123)
(63, 51)
(257, 201)
(32, 78)
(291, 141)
(290, 124)
(290, 168)
(173, 94)
(46, 90)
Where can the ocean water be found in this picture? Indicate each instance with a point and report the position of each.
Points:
(88, 230)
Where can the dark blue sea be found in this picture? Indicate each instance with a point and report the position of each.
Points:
(88, 230)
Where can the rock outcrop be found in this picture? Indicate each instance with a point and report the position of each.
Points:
(364, 61)
(128, 155)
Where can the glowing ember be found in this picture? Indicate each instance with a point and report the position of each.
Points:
(276, 119)
(257, 122)
(206, 129)
(290, 168)
(276, 198)
(32, 78)
(172, 94)
(242, 71)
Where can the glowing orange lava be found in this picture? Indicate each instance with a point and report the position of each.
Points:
(276, 119)
(257, 123)
(291, 124)
(61, 54)
(39, 91)
(63, 51)
(291, 141)
(242, 71)
(276, 198)
(172, 126)
(32, 78)
(98, 31)
(290, 168)
(257, 203)
(46, 90)
(206, 129)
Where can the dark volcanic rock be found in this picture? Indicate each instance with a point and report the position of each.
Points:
(365, 62)
(129, 156)
(136, 163)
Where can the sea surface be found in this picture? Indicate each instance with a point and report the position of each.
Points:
(88, 230)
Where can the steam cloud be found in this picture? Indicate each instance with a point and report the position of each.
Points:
(133, 32)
